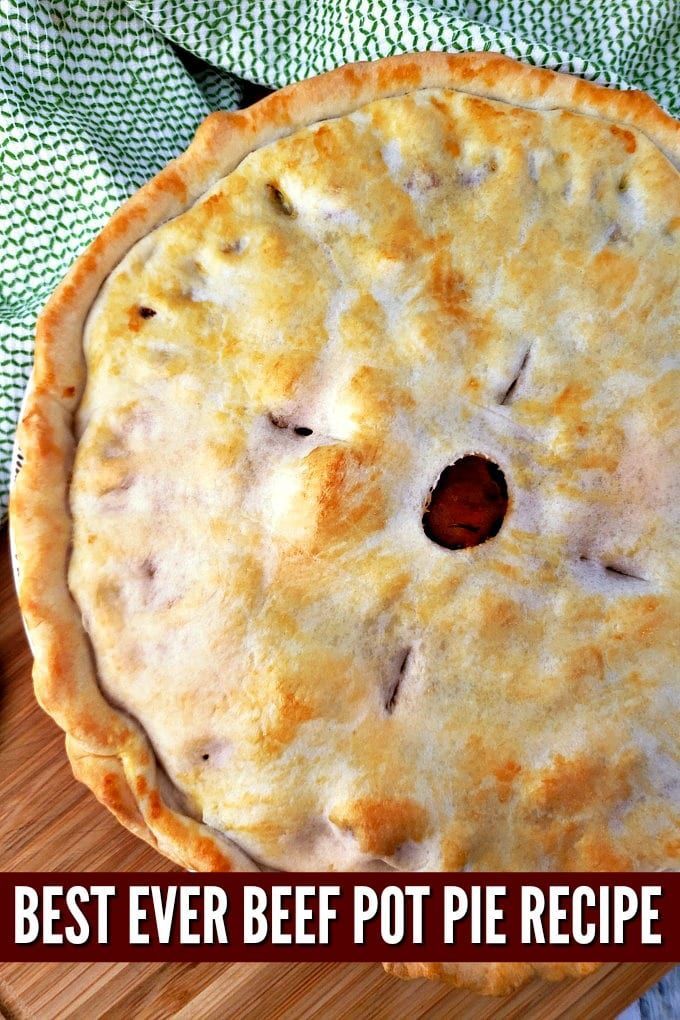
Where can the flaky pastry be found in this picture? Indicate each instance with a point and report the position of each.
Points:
(274, 631)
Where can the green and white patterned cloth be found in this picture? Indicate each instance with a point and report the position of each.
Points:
(97, 95)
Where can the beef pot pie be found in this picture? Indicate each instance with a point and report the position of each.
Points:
(345, 527)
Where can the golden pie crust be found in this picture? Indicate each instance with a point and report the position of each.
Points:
(244, 392)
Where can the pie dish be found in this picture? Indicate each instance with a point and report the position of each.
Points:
(345, 523)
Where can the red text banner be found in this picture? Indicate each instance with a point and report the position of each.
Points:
(340, 917)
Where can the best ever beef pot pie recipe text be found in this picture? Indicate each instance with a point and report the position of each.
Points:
(346, 527)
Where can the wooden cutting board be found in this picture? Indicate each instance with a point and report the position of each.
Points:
(48, 821)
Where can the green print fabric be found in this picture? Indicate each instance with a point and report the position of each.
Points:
(97, 95)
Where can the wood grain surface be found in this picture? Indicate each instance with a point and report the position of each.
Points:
(48, 821)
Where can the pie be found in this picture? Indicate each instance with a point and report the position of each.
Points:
(346, 520)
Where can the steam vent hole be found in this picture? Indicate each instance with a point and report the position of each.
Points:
(467, 505)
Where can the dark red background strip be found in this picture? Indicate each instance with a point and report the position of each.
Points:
(341, 946)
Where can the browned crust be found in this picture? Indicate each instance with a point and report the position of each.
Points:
(139, 806)
(108, 751)
(490, 978)
(105, 776)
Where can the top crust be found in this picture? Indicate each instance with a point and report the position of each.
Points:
(111, 752)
